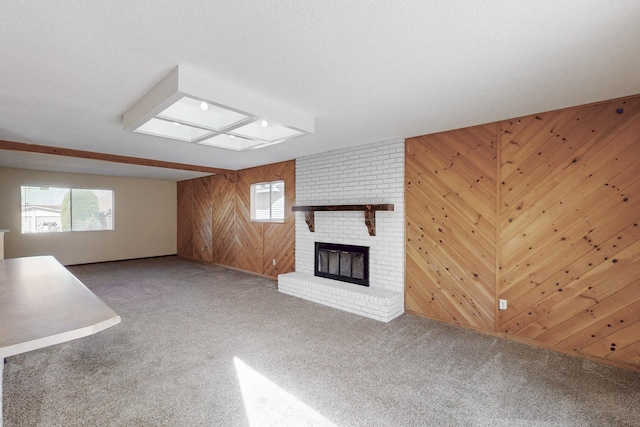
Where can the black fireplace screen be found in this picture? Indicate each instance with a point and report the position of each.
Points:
(347, 263)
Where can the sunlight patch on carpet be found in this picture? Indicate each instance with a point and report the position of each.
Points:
(268, 404)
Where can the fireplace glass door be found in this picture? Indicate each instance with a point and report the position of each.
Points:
(347, 263)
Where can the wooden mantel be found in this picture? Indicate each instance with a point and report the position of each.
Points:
(369, 213)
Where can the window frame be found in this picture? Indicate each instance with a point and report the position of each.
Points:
(252, 202)
(34, 229)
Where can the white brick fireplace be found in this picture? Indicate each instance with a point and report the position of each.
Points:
(369, 174)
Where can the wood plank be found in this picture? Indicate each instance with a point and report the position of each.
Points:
(614, 302)
(603, 328)
(455, 180)
(564, 228)
(437, 214)
(574, 152)
(202, 218)
(589, 192)
(547, 158)
(248, 239)
(483, 140)
(223, 226)
(572, 235)
(595, 168)
(629, 355)
(568, 231)
(419, 298)
(279, 239)
(447, 295)
(418, 174)
(464, 282)
(518, 132)
(451, 152)
(551, 149)
(450, 236)
(215, 221)
(185, 218)
(579, 294)
(594, 257)
(616, 341)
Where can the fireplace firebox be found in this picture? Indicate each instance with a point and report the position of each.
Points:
(347, 263)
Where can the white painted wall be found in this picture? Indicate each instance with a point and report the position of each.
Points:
(368, 174)
(372, 173)
(145, 219)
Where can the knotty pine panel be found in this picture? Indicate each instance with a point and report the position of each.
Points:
(564, 228)
(569, 240)
(451, 214)
(279, 239)
(185, 215)
(214, 221)
(202, 217)
(223, 220)
(248, 238)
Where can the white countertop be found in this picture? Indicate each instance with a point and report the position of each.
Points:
(42, 304)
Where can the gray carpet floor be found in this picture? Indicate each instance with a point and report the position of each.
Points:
(202, 345)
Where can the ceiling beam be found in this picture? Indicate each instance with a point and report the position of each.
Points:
(69, 152)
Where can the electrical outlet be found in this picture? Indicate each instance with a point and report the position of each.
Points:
(274, 262)
(503, 304)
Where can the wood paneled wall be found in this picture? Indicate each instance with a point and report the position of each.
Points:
(185, 218)
(202, 219)
(223, 218)
(278, 241)
(451, 214)
(542, 211)
(248, 239)
(214, 222)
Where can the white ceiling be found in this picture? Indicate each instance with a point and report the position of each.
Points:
(367, 70)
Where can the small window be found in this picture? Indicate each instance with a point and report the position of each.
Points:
(53, 209)
(267, 201)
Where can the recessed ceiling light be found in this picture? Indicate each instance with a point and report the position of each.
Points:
(204, 110)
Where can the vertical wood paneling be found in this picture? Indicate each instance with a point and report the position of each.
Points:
(450, 202)
(185, 215)
(565, 227)
(279, 239)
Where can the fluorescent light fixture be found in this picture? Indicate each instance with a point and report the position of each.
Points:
(193, 107)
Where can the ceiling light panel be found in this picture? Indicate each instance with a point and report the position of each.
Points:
(168, 129)
(272, 132)
(211, 112)
(231, 142)
(189, 111)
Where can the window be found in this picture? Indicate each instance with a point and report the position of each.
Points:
(267, 201)
(52, 209)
